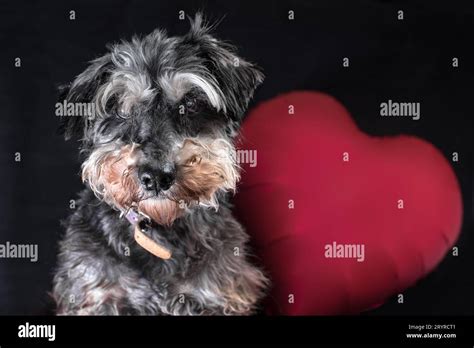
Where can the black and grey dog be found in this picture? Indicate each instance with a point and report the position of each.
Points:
(153, 232)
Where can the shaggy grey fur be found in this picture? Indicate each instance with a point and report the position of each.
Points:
(153, 92)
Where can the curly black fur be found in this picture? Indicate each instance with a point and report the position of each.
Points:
(140, 90)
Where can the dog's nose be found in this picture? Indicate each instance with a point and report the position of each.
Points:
(166, 179)
(159, 179)
(148, 181)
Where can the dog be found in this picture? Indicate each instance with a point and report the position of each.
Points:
(153, 232)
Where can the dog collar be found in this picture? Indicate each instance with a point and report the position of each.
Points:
(141, 222)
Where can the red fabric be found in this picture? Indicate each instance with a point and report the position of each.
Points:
(300, 158)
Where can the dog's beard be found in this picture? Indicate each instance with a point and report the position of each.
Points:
(204, 167)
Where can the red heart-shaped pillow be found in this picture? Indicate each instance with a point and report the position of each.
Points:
(340, 219)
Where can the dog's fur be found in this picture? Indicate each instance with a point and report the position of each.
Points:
(169, 106)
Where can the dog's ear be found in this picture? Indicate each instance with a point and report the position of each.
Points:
(82, 90)
(236, 77)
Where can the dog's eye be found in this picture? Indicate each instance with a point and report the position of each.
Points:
(121, 113)
(191, 105)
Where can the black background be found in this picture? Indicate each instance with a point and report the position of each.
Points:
(409, 60)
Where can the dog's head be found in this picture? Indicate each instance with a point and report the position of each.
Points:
(165, 112)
